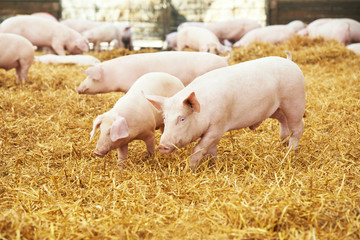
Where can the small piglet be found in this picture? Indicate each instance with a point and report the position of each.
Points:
(337, 29)
(120, 73)
(46, 33)
(200, 39)
(271, 34)
(16, 52)
(133, 117)
(344, 30)
(106, 32)
(230, 98)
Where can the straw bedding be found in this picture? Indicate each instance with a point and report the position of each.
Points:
(52, 187)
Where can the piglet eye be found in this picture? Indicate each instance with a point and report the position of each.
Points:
(180, 120)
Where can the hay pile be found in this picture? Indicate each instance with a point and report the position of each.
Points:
(51, 186)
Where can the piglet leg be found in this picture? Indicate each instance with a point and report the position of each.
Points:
(150, 143)
(122, 155)
(207, 145)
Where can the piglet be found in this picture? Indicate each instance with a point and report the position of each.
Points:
(271, 34)
(16, 52)
(344, 30)
(337, 29)
(230, 98)
(106, 32)
(200, 39)
(133, 117)
(46, 33)
(120, 73)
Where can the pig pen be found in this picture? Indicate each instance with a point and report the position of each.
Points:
(53, 187)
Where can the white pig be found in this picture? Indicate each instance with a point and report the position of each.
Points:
(200, 39)
(271, 34)
(16, 52)
(230, 98)
(46, 33)
(335, 29)
(133, 117)
(75, 59)
(345, 30)
(120, 73)
(106, 32)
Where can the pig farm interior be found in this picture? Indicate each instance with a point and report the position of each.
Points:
(52, 186)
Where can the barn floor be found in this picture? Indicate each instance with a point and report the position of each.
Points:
(52, 187)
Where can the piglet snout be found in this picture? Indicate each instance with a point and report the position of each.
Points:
(165, 149)
(81, 90)
(99, 154)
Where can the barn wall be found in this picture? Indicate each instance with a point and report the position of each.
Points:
(150, 19)
(153, 19)
(284, 11)
(10, 8)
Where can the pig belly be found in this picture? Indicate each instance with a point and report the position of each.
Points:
(8, 66)
(8, 59)
(251, 115)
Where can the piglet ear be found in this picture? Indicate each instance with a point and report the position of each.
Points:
(95, 73)
(96, 124)
(156, 101)
(119, 129)
(192, 102)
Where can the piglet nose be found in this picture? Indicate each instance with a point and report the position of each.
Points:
(98, 154)
(81, 90)
(164, 149)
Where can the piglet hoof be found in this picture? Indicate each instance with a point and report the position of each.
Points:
(193, 168)
(194, 165)
(150, 155)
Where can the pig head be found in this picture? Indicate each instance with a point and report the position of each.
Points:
(181, 119)
(112, 130)
(94, 81)
(77, 46)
